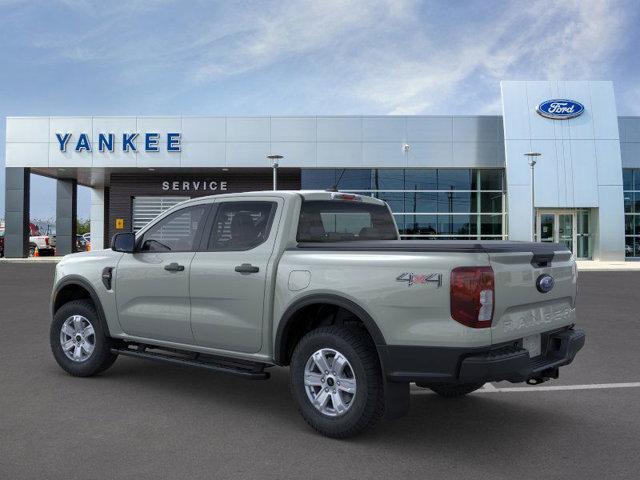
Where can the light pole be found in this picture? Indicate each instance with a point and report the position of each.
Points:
(532, 163)
(274, 163)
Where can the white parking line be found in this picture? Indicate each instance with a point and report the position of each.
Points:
(490, 388)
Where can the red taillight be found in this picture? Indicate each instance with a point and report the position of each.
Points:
(345, 196)
(46, 241)
(472, 295)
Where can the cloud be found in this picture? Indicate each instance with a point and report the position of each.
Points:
(540, 40)
(391, 56)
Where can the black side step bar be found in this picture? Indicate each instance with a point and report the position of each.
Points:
(250, 370)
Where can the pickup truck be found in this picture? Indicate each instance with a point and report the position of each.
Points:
(45, 244)
(318, 281)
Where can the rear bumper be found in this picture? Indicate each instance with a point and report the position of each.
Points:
(487, 364)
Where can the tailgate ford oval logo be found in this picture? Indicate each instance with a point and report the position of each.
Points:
(544, 283)
(560, 109)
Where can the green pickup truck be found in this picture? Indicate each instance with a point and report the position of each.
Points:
(318, 282)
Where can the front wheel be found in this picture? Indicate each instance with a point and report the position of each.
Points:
(78, 340)
(336, 381)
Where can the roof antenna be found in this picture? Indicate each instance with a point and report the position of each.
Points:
(334, 188)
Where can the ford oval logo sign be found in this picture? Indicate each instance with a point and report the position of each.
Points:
(560, 109)
(545, 283)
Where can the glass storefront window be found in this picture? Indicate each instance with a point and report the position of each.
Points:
(354, 179)
(627, 178)
(457, 224)
(394, 199)
(455, 202)
(491, 224)
(423, 202)
(317, 179)
(421, 179)
(491, 202)
(450, 203)
(631, 181)
(454, 179)
(491, 179)
(418, 224)
(387, 179)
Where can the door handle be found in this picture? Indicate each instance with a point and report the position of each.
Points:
(174, 267)
(247, 268)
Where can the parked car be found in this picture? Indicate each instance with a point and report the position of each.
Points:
(320, 282)
(44, 243)
(1, 241)
(81, 243)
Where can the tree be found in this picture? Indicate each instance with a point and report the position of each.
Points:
(84, 226)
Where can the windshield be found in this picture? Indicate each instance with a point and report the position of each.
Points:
(343, 221)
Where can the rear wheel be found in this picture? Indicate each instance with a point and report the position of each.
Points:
(78, 340)
(452, 390)
(336, 381)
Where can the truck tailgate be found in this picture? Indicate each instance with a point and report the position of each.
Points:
(521, 308)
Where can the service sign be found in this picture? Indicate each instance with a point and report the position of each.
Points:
(106, 142)
(560, 109)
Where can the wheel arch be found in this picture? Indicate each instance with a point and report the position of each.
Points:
(290, 318)
(75, 287)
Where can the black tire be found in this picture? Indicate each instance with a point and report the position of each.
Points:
(368, 403)
(452, 390)
(100, 359)
(32, 249)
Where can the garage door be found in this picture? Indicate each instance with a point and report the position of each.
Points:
(146, 209)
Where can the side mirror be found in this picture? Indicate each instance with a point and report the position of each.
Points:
(124, 242)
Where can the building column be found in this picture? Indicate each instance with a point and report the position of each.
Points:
(66, 216)
(17, 191)
(97, 218)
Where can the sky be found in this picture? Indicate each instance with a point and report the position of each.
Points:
(162, 57)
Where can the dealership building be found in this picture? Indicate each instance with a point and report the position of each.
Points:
(444, 177)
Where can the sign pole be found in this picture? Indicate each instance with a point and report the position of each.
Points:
(274, 163)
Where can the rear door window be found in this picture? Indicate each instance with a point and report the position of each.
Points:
(241, 225)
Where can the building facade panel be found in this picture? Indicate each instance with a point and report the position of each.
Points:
(475, 129)
(204, 129)
(248, 129)
(26, 154)
(384, 129)
(28, 130)
(339, 129)
(632, 130)
(569, 155)
(203, 154)
(430, 154)
(293, 129)
(296, 154)
(429, 129)
(443, 176)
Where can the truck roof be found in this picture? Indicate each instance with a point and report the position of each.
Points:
(306, 194)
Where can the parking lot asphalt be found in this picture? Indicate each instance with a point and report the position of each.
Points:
(153, 421)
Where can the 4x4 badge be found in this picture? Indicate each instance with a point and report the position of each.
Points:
(420, 278)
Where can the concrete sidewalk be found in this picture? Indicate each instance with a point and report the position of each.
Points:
(595, 266)
(31, 260)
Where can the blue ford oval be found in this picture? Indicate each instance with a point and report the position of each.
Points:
(545, 283)
(560, 109)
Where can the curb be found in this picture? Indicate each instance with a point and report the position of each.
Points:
(31, 260)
